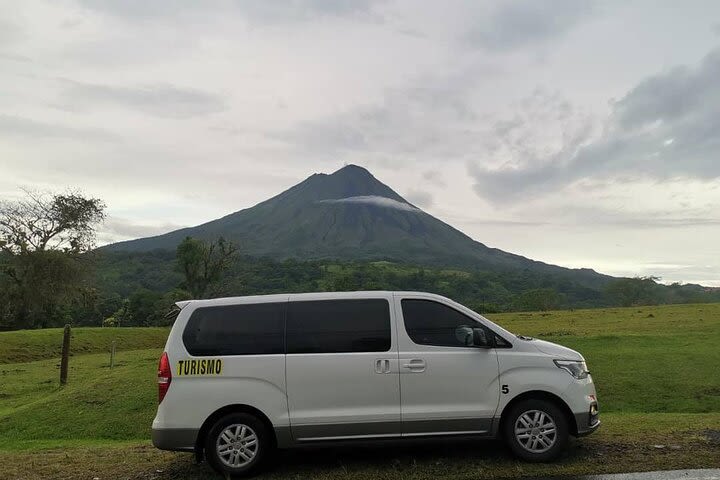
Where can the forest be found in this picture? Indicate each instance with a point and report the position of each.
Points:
(139, 289)
(51, 275)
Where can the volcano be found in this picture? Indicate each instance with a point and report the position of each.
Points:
(350, 215)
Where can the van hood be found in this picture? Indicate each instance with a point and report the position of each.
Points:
(557, 351)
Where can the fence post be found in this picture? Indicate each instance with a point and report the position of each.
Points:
(65, 355)
(112, 355)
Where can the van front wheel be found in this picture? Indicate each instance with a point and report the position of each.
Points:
(237, 444)
(536, 430)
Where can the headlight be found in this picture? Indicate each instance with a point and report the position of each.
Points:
(576, 368)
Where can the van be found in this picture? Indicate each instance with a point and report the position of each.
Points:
(242, 376)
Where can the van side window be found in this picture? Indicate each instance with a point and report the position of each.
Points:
(336, 326)
(250, 329)
(432, 323)
(501, 342)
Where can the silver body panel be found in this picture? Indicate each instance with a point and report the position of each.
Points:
(451, 390)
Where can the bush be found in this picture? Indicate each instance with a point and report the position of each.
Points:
(109, 322)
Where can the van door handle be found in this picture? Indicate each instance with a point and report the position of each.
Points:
(416, 365)
(382, 365)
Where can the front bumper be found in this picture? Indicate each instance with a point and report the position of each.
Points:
(587, 422)
(179, 439)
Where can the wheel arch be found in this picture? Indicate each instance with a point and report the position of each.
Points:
(226, 410)
(540, 395)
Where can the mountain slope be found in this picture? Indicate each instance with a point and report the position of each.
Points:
(350, 215)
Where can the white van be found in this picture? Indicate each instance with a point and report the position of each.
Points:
(242, 376)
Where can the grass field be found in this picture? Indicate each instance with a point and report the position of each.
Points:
(29, 345)
(655, 369)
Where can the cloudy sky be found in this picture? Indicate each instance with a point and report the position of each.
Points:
(581, 133)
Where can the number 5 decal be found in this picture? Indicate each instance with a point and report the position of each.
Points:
(505, 389)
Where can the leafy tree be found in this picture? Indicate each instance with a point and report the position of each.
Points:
(42, 237)
(110, 322)
(538, 299)
(145, 308)
(42, 221)
(627, 292)
(121, 317)
(203, 263)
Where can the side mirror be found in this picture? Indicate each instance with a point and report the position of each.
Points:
(480, 338)
(472, 337)
(465, 335)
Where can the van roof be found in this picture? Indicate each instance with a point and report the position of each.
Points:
(284, 297)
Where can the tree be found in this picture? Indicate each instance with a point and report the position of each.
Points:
(121, 317)
(202, 263)
(143, 308)
(42, 237)
(627, 292)
(538, 299)
(42, 221)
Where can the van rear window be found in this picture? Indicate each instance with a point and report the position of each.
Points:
(337, 326)
(252, 329)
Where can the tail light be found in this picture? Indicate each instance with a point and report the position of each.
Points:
(164, 377)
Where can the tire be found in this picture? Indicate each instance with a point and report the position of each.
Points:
(226, 452)
(536, 430)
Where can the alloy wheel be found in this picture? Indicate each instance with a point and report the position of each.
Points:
(535, 431)
(237, 445)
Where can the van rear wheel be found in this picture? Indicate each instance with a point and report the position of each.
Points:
(536, 430)
(237, 444)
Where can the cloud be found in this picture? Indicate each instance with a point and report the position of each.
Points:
(518, 23)
(14, 58)
(141, 9)
(297, 10)
(13, 126)
(262, 11)
(373, 200)
(420, 197)
(542, 121)
(647, 219)
(430, 119)
(167, 101)
(664, 128)
(10, 32)
(683, 273)
(434, 177)
(116, 228)
(70, 23)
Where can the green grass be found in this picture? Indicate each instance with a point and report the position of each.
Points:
(29, 345)
(647, 359)
(97, 403)
(655, 370)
